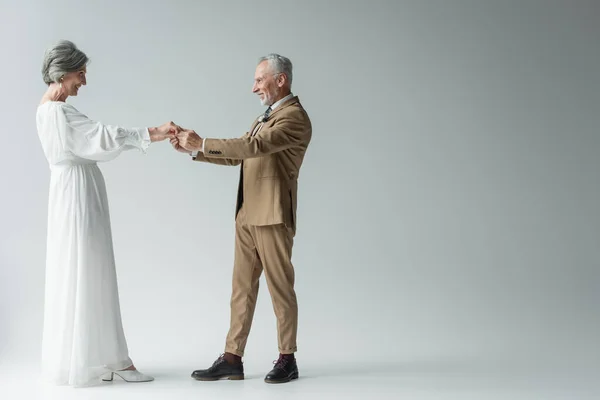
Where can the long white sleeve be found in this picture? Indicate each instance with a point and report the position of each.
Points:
(95, 141)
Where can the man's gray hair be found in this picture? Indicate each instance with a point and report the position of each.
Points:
(279, 65)
(60, 59)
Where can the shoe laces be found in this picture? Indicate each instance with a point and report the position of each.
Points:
(281, 362)
(218, 361)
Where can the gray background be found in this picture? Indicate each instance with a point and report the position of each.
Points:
(447, 205)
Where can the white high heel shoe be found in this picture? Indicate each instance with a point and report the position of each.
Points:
(129, 375)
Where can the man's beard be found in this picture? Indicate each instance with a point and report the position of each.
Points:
(267, 101)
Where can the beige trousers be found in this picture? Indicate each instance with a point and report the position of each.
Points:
(259, 248)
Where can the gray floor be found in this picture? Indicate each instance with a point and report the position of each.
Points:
(444, 380)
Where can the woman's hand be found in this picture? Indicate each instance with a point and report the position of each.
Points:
(165, 131)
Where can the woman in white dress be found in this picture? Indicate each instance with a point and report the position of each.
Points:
(83, 337)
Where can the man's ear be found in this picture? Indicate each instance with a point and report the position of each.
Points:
(281, 80)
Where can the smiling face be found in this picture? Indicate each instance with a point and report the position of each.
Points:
(72, 81)
(267, 84)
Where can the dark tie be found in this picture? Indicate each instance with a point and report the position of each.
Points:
(267, 113)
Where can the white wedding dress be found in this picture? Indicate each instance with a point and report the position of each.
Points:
(83, 335)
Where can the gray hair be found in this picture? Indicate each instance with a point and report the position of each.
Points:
(279, 65)
(60, 59)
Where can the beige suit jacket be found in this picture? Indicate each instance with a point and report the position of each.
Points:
(271, 159)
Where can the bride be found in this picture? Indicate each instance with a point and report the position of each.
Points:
(83, 337)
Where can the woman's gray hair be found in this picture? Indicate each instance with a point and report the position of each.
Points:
(279, 65)
(60, 59)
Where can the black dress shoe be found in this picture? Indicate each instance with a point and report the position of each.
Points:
(220, 369)
(285, 370)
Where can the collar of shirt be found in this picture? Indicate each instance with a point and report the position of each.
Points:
(278, 103)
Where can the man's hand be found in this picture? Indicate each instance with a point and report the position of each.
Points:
(168, 130)
(175, 143)
(189, 140)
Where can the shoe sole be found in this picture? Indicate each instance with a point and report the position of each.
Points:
(286, 380)
(114, 373)
(227, 377)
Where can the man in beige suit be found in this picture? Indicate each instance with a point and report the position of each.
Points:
(270, 154)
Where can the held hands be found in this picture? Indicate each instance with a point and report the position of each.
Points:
(186, 141)
(165, 131)
(189, 140)
(182, 140)
(175, 143)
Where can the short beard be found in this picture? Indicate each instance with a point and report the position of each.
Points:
(268, 99)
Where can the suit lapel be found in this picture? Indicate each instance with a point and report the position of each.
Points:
(257, 126)
(286, 104)
(253, 127)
